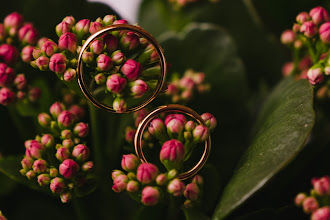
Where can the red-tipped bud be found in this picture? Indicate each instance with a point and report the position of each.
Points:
(288, 37)
(7, 75)
(322, 185)
(146, 173)
(119, 105)
(129, 162)
(150, 196)
(20, 81)
(77, 111)
(87, 57)
(65, 197)
(44, 179)
(310, 205)
(6, 96)
(198, 180)
(129, 41)
(116, 83)
(2, 32)
(56, 109)
(70, 20)
(40, 166)
(191, 192)
(176, 187)
(68, 143)
(118, 57)
(49, 48)
(26, 54)
(68, 41)
(100, 78)
(190, 126)
(81, 152)
(87, 166)
(120, 183)
(36, 149)
(172, 154)
(31, 174)
(325, 32)
(53, 172)
(42, 63)
(321, 213)
(57, 63)
(8, 54)
(65, 119)
(161, 179)
(299, 199)
(309, 29)
(13, 20)
(27, 163)
(41, 41)
(81, 129)
(130, 133)
(28, 34)
(69, 168)
(319, 15)
(315, 75)
(104, 62)
(63, 28)
(132, 186)
(210, 120)
(62, 153)
(34, 94)
(109, 19)
(82, 28)
(131, 69)
(111, 42)
(175, 123)
(95, 27)
(36, 53)
(302, 17)
(157, 129)
(97, 46)
(139, 88)
(200, 133)
(57, 185)
(116, 173)
(44, 119)
(69, 75)
(48, 141)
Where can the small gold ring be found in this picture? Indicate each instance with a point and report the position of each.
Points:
(167, 108)
(143, 33)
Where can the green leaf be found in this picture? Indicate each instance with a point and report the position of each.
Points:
(194, 214)
(284, 123)
(6, 185)
(87, 188)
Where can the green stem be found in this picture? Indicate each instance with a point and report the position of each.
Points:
(79, 209)
(311, 51)
(19, 123)
(253, 12)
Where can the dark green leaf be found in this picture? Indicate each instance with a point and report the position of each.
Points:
(6, 185)
(285, 121)
(194, 214)
(87, 188)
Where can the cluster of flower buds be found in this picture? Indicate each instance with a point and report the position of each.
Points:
(16, 40)
(2, 217)
(309, 39)
(183, 89)
(59, 159)
(145, 183)
(317, 204)
(182, 3)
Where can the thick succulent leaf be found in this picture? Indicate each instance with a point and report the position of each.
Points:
(284, 123)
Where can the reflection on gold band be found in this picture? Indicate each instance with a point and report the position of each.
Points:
(168, 108)
(117, 27)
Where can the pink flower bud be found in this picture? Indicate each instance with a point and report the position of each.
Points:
(42, 63)
(146, 173)
(178, 117)
(325, 32)
(132, 186)
(198, 180)
(13, 20)
(309, 29)
(296, 29)
(34, 94)
(172, 154)
(116, 173)
(288, 37)
(187, 83)
(66, 118)
(139, 88)
(56, 109)
(120, 183)
(319, 15)
(20, 95)
(49, 48)
(81, 129)
(190, 126)
(130, 133)
(40, 166)
(77, 111)
(6, 96)
(175, 123)
(129, 162)
(30, 174)
(82, 28)
(27, 163)
(57, 185)
(310, 205)
(299, 199)
(104, 62)
(87, 166)
(111, 42)
(121, 21)
(161, 179)
(176, 187)
(87, 57)
(63, 28)
(70, 20)
(109, 19)
(36, 53)
(57, 63)
(100, 79)
(200, 133)
(95, 27)
(118, 57)
(43, 179)
(7, 75)
(2, 32)
(210, 120)
(97, 46)
(191, 192)
(302, 17)
(36, 149)
(28, 34)
(119, 105)
(65, 197)
(62, 153)
(287, 68)
(69, 75)
(321, 213)
(81, 152)
(150, 196)
(131, 69)
(68, 143)
(8, 54)
(41, 41)
(26, 54)
(53, 172)
(44, 119)
(157, 129)
(48, 141)
(116, 83)
(129, 41)
(322, 185)
(68, 168)
(315, 75)
(68, 41)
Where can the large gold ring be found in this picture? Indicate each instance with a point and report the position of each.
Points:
(167, 108)
(117, 27)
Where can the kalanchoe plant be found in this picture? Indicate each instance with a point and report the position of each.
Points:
(58, 159)
(309, 41)
(177, 137)
(17, 40)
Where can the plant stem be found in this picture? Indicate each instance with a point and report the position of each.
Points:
(78, 208)
(19, 123)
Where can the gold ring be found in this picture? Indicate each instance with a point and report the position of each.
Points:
(167, 108)
(115, 27)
